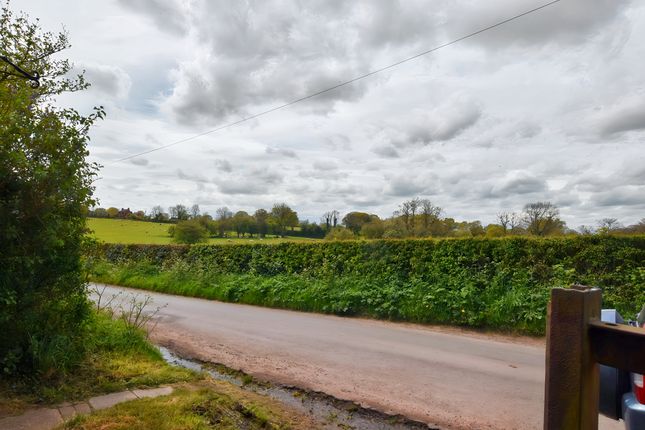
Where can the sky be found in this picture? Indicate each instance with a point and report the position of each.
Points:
(550, 107)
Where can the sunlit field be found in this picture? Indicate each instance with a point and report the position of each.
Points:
(129, 231)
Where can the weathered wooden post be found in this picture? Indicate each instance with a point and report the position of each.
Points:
(577, 341)
(572, 373)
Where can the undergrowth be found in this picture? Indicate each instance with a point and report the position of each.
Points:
(116, 358)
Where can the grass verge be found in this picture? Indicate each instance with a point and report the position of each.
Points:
(206, 405)
(117, 358)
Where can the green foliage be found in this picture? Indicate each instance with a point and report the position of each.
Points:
(116, 357)
(45, 184)
(340, 233)
(490, 283)
(191, 231)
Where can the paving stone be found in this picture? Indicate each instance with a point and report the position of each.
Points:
(36, 419)
(153, 392)
(109, 400)
(67, 411)
(83, 408)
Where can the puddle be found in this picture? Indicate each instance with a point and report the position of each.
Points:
(329, 412)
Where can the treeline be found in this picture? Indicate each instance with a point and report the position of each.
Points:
(415, 218)
(194, 227)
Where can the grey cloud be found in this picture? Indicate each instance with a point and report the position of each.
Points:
(567, 22)
(386, 151)
(404, 187)
(139, 161)
(259, 53)
(109, 80)
(337, 141)
(628, 115)
(519, 183)
(325, 165)
(281, 151)
(626, 196)
(253, 182)
(223, 165)
(443, 123)
(189, 177)
(167, 14)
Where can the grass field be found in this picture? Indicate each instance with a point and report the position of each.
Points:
(142, 232)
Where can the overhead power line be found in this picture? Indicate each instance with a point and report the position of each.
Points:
(342, 84)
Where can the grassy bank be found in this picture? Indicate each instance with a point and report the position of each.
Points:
(130, 232)
(496, 284)
(116, 358)
(208, 405)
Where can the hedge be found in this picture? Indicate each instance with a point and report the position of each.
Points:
(493, 283)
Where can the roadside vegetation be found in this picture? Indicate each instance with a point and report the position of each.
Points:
(500, 284)
(116, 356)
(206, 405)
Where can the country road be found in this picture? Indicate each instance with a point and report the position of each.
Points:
(449, 378)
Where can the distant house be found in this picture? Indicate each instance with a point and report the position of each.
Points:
(124, 213)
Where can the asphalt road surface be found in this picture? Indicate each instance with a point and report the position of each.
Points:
(450, 378)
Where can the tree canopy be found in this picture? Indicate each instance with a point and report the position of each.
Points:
(45, 188)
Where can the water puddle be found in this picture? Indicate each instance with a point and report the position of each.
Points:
(329, 412)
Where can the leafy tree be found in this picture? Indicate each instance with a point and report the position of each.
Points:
(99, 213)
(309, 229)
(223, 220)
(179, 212)
(241, 223)
(157, 214)
(45, 186)
(112, 212)
(495, 230)
(190, 231)
(355, 220)
(261, 217)
(283, 217)
(542, 218)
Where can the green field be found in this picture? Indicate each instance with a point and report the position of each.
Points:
(143, 232)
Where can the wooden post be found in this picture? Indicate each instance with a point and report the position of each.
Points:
(572, 373)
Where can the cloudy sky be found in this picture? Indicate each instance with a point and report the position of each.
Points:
(548, 107)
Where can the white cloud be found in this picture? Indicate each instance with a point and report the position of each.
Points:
(480, 126)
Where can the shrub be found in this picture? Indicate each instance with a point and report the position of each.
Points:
(191, 231)
(495, 283)
(45, 186)
(340, 233)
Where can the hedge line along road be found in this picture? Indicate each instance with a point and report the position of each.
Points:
(445, 377)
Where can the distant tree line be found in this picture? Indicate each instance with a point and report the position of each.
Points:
(414, 218)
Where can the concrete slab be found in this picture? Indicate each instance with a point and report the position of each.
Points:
(67, 411)
(82, 408)
(153, 392)
(36, 419)
(109, 400)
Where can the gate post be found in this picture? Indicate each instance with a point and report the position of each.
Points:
(572, 374)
